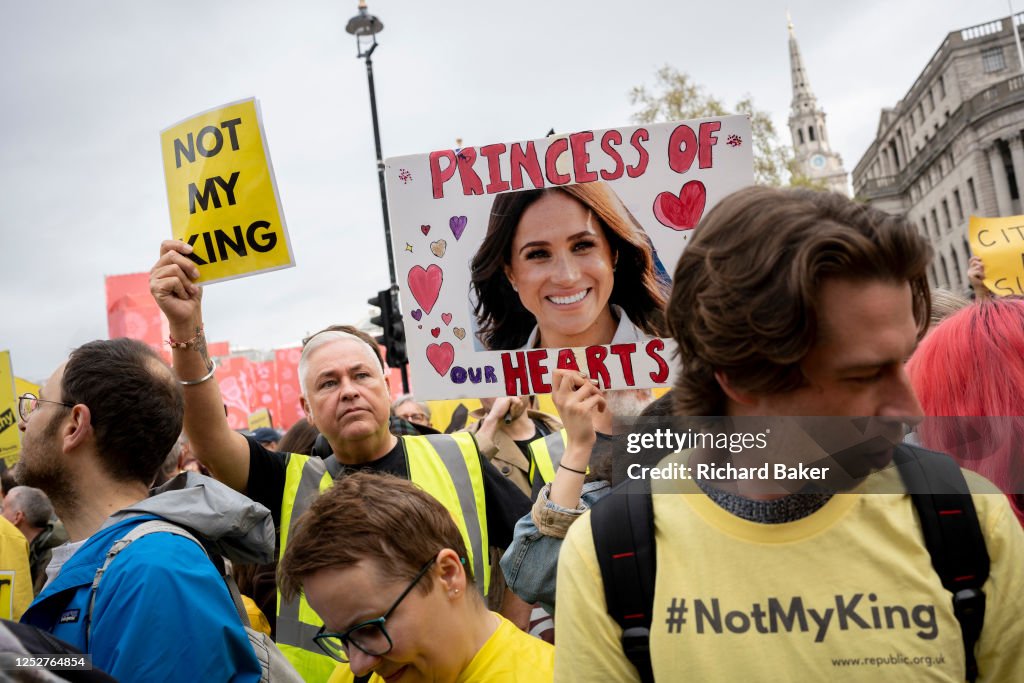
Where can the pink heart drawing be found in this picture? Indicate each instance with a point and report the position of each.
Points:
(447, 318)
(458, 225)
(681, 212)
(441, 356)
(425, 285)
(424, 229)
(416, 314)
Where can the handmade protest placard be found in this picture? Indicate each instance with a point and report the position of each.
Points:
(222, 194)
(999, 242)
(514, 259)
(10, 437)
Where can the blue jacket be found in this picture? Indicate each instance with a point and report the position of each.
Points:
(162, 611)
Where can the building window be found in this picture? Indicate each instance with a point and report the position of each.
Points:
(992, 60)
(931, 102)
(945, 270)
(810, 133)
(945, 215)
(959, 206)
(800, 135)
(920, 113)
(935, 224)
(924, 226)
(942, 88)
(974, 196)
(956, 265)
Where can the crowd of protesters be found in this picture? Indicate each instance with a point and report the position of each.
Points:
(364, 545)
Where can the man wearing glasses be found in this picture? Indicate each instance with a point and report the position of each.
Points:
(93, 442)
(345, 396)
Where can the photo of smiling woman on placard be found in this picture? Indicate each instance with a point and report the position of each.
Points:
(566, 267)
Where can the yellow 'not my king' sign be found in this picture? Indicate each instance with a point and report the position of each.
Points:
(222, 194)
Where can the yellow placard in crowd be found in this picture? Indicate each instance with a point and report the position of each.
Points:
(999, 242)
(261, 418)
(23, 386)
(10, 437)
(222, 194)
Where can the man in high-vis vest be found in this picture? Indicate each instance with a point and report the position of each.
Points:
(345, 395)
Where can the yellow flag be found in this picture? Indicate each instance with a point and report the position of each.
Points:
(10, 437)
(222, 194)
(999, 242)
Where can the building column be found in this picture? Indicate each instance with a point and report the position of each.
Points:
(999, 180)
(1017, 155)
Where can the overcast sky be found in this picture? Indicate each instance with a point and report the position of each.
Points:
(88, 84)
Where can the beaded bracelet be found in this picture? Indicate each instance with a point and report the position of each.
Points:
(193, 382)
(185, 344)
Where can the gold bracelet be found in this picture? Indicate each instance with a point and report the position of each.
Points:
(208, 375)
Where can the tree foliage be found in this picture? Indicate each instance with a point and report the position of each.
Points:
(676, 96)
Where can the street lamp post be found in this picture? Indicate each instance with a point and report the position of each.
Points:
(365, 27)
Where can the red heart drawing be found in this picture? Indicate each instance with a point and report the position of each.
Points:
(681, 212)
(425, 285)
(424, 229)
(447, 318)
(435, 332)
(441, 356)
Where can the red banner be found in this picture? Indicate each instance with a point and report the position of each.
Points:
(236, 379)
(132, 312)
(289, 408)
(265, 394)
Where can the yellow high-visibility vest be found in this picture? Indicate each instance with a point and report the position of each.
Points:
(545, 454)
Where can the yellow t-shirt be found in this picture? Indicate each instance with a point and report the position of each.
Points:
(15, 575)
(508, 656)
(846, 594)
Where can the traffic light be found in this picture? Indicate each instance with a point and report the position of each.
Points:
(390, 322)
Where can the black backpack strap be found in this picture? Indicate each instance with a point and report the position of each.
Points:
(952, 535)
(622, 524)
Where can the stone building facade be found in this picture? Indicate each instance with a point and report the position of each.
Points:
(952, 147)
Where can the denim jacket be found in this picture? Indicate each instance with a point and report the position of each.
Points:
(530, 564)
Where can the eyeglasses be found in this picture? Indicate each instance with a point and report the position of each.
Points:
(415, 417)
(369, 636)
(28, 403)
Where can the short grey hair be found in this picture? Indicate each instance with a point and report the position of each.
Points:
(322, 338)
(409, 398)
(32, 503)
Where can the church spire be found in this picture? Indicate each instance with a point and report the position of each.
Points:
(814, 156)
(803, 98)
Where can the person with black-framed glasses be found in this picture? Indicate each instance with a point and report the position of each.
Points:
(397, 597)
(93, 445)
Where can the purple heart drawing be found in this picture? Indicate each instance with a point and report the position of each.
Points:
(416, 314)
(458, 225)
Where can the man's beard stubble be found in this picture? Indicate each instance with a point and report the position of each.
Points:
(42, 470)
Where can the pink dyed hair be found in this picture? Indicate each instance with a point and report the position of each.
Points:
(972, 365)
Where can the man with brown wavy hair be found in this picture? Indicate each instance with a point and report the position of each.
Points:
(793, 304)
